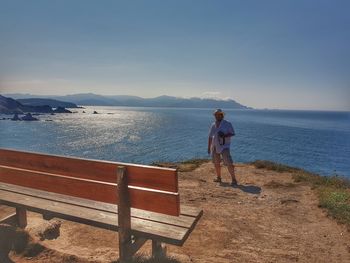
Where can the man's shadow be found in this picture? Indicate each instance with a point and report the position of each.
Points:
(250, 189)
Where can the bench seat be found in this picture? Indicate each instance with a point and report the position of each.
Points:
(144, 224)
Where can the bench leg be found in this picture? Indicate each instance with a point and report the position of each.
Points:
(124, 245)
(124, 216)
(21, 215)
(158, 249)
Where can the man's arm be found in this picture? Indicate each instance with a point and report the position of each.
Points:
(231, 131)
(210, 137)
(210, 140)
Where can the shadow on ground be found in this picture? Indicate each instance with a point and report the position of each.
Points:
(250, 189)
(143, 259)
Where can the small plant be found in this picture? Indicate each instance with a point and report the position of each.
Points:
(337, 202)
(333, 191)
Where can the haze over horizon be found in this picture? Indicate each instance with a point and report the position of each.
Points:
(263, 54)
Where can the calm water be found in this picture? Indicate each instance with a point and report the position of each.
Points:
(317, 141)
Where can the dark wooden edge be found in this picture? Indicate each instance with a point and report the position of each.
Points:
(199, 215)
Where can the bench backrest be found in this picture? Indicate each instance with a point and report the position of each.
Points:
(150, 188)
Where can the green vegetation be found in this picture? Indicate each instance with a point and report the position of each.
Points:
(185, 166)
(333, 191)
(261, 164)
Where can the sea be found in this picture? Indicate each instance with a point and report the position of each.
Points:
(318, 141)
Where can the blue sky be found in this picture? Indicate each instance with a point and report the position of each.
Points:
(266, 54)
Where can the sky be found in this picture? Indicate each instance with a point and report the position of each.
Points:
(287, 54)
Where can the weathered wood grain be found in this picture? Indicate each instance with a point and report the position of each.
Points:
(142, 198)
(124, 216)
(185, 219)
(139, 227)
(159, 178)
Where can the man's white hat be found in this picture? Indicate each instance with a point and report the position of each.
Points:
(219, 111)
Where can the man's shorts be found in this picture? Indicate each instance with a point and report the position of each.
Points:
(225, 155)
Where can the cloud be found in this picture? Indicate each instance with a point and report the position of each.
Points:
(212, 95)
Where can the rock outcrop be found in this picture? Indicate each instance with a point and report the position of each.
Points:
(61, 110)
(12, 106)
(15, 117)
(29, 117)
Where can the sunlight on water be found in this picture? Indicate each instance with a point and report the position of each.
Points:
(318, 141)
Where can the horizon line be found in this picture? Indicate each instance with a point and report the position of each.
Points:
(218, 99)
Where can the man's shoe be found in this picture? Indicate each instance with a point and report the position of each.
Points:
(217, 180)
(234, 184)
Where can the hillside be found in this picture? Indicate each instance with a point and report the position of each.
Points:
(11, 106)
(90, 99)
(51, 102)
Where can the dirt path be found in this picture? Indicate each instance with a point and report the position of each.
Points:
(269, 218)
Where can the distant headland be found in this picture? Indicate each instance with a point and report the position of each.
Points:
(90, 99)
(12, 106)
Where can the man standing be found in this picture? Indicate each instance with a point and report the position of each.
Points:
(219, 141)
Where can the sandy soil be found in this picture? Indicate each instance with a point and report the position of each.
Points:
(268, 218)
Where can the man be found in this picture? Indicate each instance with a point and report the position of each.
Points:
(219, 141)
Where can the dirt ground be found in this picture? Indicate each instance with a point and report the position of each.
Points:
(268, 218)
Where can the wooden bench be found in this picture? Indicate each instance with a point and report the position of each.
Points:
(140, 202)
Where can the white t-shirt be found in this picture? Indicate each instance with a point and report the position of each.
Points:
(218, 143)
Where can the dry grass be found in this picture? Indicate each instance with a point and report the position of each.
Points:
(185, 166)
(333, 191)
(274, 184)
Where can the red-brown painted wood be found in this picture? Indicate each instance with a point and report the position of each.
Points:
(138, 175)
(146, 199)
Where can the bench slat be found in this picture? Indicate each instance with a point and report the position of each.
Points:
(146, 199)
(183, 220)
(140, 227)
(138, 175)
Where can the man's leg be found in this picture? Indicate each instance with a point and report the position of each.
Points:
(226, 156)
(217, 160)
(218, 170)
(231, 170)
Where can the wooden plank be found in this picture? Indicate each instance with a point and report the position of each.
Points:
(190, 210)
(164, 179)
(183, 220)
(124, 216)
(139, 227)
(142, 198)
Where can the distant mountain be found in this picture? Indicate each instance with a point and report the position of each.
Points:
(91, 99)
(11, 106)
(51, 102)
(88, 99)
